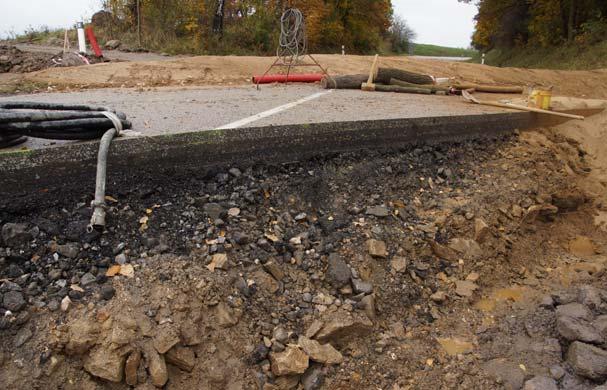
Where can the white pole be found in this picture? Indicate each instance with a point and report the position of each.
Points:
(81, 40)
(343, 50)
(483, 60)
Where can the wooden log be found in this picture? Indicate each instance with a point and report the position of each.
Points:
(343, 82)
(370, 85)
(384, 75)
(431, 87)
(489, 88)
(399, 89)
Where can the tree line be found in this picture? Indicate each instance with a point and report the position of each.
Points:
(252, 26)
(538, 23)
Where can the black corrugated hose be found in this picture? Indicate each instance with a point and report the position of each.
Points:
(66, 122)
(54, 121)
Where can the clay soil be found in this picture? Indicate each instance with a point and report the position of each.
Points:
(235, 70)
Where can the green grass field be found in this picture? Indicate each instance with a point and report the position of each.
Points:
(420, 49)
(564, 57)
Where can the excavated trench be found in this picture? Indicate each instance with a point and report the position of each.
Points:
(229, 275)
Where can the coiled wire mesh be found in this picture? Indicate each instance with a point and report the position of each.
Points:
(293, 43)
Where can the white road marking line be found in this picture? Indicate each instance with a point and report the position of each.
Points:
(273, 111)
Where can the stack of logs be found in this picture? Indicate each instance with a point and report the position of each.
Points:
(397, 80)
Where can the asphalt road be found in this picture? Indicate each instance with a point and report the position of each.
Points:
(177, 110)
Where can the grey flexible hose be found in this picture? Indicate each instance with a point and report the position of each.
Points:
(292, 43)
(98, 204)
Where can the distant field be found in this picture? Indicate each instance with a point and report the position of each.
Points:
(420, 49)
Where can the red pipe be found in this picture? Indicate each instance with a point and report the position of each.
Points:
(293, 78)
(93, 42)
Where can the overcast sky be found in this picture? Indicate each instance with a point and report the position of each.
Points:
(440, 22)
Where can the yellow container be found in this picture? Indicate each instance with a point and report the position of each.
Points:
(540, 98)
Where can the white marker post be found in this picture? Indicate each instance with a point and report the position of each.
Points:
(343, 50)
(81, 39)
(483, 60)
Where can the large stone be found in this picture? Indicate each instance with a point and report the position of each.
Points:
(321, 353)
(540, 383)
(156, 366)
(590, 297)
(225, 316)
(266, 282)
(481, 230)
(69, 250)
(16, 234)
(465, 288)
(82, 336)
(338, 272)
(399, 263)
(377, 248)
(313, 378)
(275, 270)
(443, 252)
(131, 367)
(290, 362)
(360, 286)
(343, 326)
(214, 210)
(105, 364)
(181, 357)
(166, 337)
(13, 301)
(469, 249)
(587, 360)
(113, 44)
(574, 310)
(505, 372)
(600, 324)
(378, 211)
(573, 329)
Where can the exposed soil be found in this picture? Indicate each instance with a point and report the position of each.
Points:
(233, 70)
(212, 281)
(13, 60)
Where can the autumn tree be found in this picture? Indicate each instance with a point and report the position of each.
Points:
(544, 23)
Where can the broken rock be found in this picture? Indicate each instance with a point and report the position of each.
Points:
(225, 316)
(290, 362)
(377, 248)
(343, 326)
(181, 357)
(166, 337)
(573, 329)
(105, 364)
(218, 261)
(131, 367)
(156, 366)
(321, 353)
(469, 249)
(465, 288)
(82, 336)
(587, 360)
(338, 272)
(506, 372)
(540, 383)
(399, 264)
(481, 230)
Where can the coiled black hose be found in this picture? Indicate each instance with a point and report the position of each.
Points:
(66, 122)
(54, 121)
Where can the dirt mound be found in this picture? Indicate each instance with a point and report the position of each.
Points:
(13, 60)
